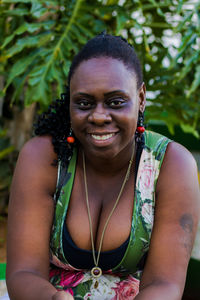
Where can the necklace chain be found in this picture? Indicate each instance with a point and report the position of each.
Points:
(96, 259)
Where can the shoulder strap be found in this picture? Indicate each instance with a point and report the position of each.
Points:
(62, 173)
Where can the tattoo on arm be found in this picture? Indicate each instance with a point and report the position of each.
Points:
(187, 224)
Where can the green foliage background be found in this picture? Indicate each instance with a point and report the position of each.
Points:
(39, 39)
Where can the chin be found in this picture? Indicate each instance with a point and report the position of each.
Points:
(106, 153)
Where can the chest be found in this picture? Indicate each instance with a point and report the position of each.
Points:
(102, 196)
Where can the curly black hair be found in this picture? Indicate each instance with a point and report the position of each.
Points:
(56, 120)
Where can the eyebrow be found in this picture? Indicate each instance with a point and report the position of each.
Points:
(115, 92)
(82, 94)
(105, 94)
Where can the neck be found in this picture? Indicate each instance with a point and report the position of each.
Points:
(109, 166)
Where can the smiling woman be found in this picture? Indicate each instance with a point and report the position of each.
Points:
(101, 208)
(110, 97)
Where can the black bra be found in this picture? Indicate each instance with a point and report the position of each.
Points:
(83, 259)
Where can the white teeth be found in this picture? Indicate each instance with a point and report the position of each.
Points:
(102, 137)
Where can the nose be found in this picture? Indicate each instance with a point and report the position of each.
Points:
(99, 116)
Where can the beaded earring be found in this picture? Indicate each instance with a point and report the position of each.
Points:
(140, 127)
(70, 138)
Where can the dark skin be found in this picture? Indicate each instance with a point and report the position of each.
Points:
(104, 110)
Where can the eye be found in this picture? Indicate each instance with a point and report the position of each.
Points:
(116, 102)
(84, 104)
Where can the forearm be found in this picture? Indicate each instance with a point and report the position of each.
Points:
(26, 285)
(164, 291)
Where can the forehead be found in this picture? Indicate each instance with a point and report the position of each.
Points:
(102, 73)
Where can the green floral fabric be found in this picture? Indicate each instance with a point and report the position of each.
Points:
(122, 282)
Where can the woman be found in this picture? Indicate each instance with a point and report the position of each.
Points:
(103, 233)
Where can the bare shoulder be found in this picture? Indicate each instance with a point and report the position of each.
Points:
(36, 165)
(179, 155)
(39, 147)
(179, 168)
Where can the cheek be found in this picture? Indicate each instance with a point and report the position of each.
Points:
(77, 121)
(128, 121)
(131, 126)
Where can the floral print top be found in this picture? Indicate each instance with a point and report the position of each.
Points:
(122, 282)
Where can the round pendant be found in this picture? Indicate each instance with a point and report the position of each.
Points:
(96, 272)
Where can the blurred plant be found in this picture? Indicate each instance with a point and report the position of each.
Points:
(5, 168)
(39, 39)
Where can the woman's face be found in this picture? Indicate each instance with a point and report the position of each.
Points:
(104, 106)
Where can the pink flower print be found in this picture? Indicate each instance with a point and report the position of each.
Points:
(56, 261)
(126, 289)
(146, 182)
(147, 175)
(67, 279)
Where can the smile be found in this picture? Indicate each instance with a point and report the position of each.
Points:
(102, 137)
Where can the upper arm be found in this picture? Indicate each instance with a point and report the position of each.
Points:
(31, 208)
(176, 217)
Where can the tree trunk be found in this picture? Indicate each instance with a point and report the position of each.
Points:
(21, 127)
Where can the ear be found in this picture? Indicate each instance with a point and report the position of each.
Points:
(142, 97)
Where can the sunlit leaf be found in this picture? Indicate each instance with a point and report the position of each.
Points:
(5, 152)
(190, 129)
(196, 82)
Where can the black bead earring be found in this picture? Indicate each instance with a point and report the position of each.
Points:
(140, 127)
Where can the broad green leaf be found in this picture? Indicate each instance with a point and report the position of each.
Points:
(20, 66)
(83, 29)
(38, 93)
(29, 42)
(26, 27)
(78, 34)
(35, 75)
(31, 27)
(7, 41)
(37, 9)
(68, 44)
(17, 12)
(18, 84)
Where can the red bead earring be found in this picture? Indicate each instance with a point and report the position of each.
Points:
(70, 138)
(140, 123)
(140, 129)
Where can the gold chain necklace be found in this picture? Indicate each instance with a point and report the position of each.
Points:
(96, 271)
